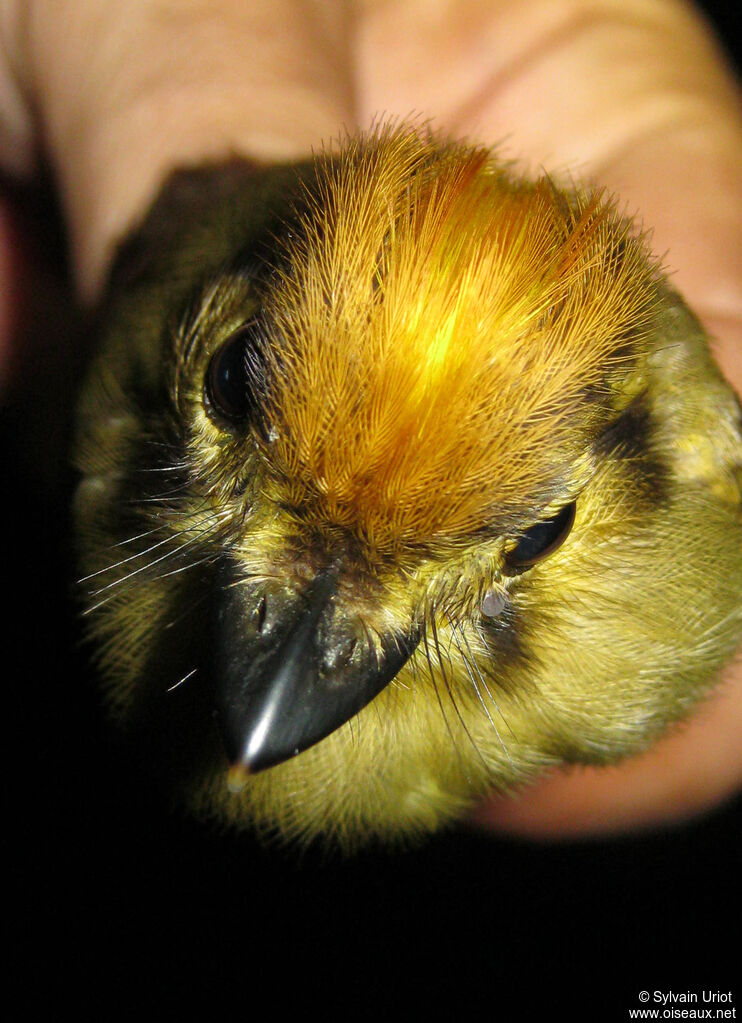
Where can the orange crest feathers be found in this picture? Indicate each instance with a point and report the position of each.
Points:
(447, 337)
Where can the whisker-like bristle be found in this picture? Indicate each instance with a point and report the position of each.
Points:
(476, 678)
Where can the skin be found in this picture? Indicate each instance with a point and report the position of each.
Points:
(634, 94)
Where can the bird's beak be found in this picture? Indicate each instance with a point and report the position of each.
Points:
(290, 668)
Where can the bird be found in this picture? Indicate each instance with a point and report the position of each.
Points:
(403, 477)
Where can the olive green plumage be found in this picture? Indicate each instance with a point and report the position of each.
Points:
(460, 419)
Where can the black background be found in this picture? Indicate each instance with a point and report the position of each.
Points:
(115, 903)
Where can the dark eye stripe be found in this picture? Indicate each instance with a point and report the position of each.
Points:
(541, 540)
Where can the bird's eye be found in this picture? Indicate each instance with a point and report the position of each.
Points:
(228, 391)
(541, 540)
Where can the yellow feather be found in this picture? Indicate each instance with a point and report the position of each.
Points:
(449, 301)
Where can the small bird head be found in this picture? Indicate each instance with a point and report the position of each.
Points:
(427, 440)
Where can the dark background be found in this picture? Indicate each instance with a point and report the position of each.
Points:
(115, 903)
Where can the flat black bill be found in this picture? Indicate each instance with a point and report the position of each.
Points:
(289, 670)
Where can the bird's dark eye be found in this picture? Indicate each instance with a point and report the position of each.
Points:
(541, 540)
(228, 390)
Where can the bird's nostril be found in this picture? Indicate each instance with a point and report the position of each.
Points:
(339, 654)
(260, 614)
